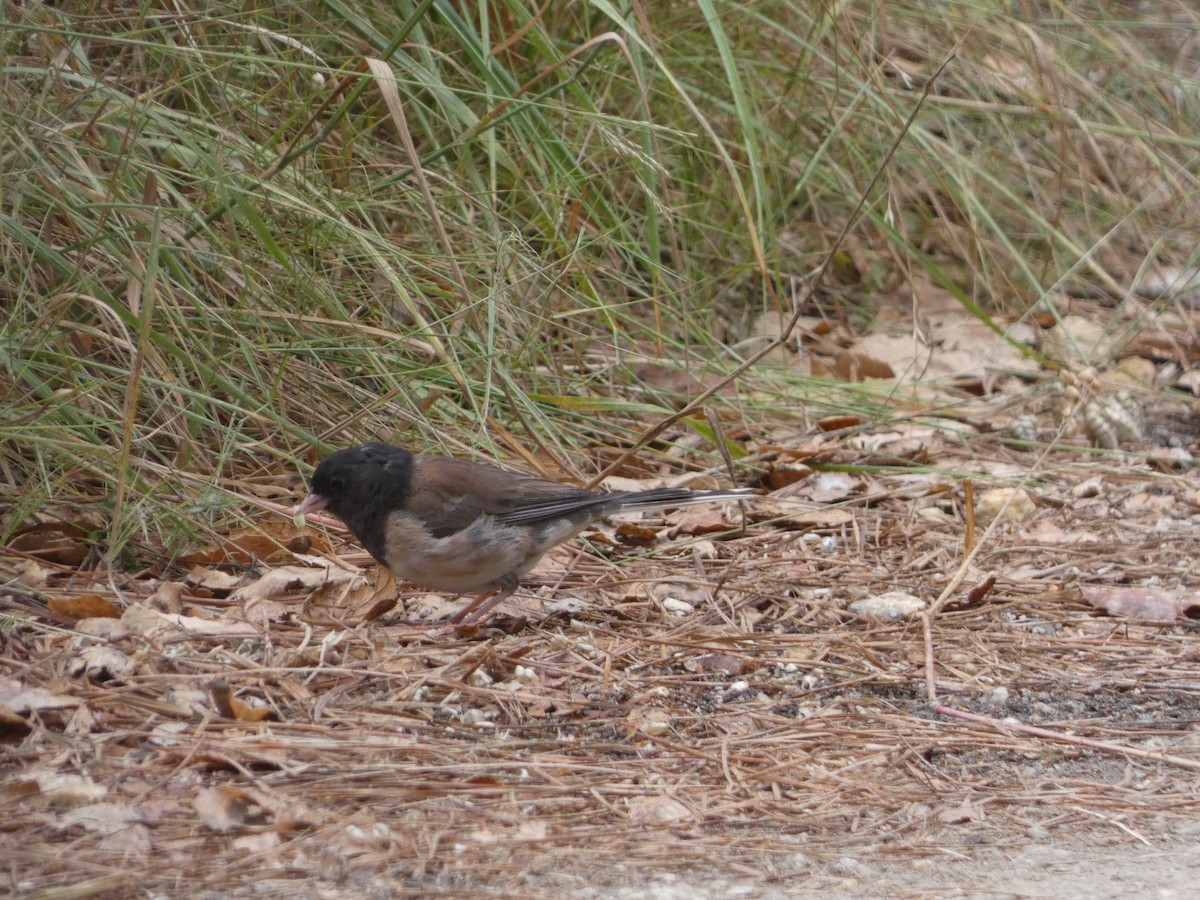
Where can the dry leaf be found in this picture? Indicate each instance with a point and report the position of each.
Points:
(701, 520)
(32, 575)
(141, 620)
(962, 814)
(828, 487)
(226, 807)
(259, 613)
(89, 606)
(19, 699)
(131, 842)
(101, 818)
(721, 664)
(231, 707)
(858, 366)
(213, 580)
(290, 580)
(270, 541)
(257, 843)
(1014, 504)
(168, 597)
(1153, 604)
(888, 607)
(66, 789)
(656, 810)
(781, 475)
(100, 662)
(837, 423)
(633, 535)
(54, 542)
(348, 601)
(1049, 533)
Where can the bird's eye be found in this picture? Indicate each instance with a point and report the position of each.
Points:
(337, 483)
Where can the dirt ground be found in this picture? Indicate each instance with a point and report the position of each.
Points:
(892, 682)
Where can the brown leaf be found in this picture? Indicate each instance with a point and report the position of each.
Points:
(852, 366)
(100, 662)
(226, 807)
(656, 810)
(962, 814)
(101, 818)
(17, 698)
(837, 423)
(701, 520)
(89, 606)
(270, 541)
(55, 542)
(981, 590)
(633, 535)
(1153, 604)
(349, 601)
(722, 663)
(231, 707)
(781, 475)
(291, 580)
(168, 598)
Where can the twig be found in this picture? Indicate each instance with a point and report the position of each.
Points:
(1021, 727)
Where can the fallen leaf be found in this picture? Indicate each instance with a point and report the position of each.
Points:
(634, 535)
(66, 789)
(1153, 604)
(1049, 533)
(1014, 504)
(55, 542)
(226, 807)
(887, 607)
(100, 662)
(962, 814)
(289, 580)
(19, 699)
(100, 818)
(656, 810)
(782, 474)
(231, 707)
(32, 575)
(701, 520)
(88, 606)
(168, 597)
(828, 487)
(269, 541)
(721, 663)
(131, 842)
(837, 423)
(213, 580)
(257, 843)
(349, 601)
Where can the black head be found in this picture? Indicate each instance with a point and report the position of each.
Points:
(362, 485)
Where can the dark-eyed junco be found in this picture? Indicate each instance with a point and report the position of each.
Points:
(452, 525)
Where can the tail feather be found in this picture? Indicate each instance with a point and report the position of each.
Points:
(597, 506)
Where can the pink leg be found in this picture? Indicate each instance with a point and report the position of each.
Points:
(479, 607)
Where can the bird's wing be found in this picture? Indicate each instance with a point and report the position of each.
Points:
(449, 494)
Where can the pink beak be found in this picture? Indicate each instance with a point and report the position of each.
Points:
(311, 503)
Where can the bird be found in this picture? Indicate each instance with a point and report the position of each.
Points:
(449, 524)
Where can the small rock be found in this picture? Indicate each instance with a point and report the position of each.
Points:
(1014, 503)
(1090, 488)
(677, 606)
(889, 606)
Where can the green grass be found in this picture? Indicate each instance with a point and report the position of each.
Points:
(223, 251)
